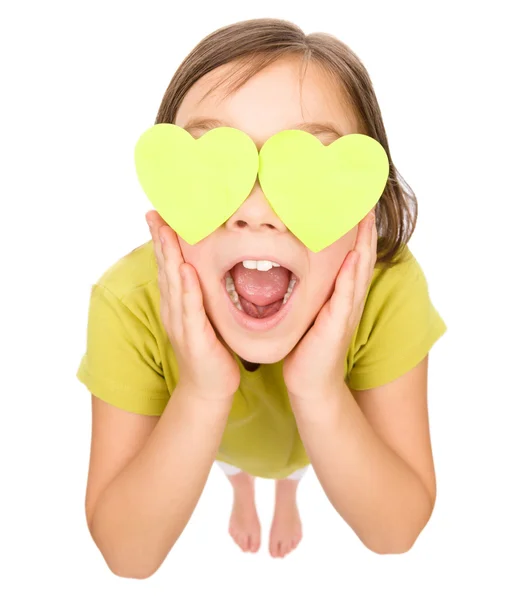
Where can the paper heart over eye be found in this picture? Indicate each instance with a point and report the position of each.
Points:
(196, 185)
(319, 192)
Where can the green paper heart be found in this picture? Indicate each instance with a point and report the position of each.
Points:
(321, 192)
(195, 185)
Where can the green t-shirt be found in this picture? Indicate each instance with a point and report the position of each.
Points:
(129, 361)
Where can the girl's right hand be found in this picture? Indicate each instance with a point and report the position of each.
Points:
(207, 370)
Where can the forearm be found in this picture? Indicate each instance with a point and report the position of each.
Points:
(141, 514)
(370, 486)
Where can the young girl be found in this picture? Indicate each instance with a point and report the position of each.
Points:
(336, 377)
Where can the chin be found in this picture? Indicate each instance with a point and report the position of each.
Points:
(262, 351)
(264, 355)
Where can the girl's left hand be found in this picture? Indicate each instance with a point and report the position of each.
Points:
(315, 367)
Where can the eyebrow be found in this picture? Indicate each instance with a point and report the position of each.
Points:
(204, 123)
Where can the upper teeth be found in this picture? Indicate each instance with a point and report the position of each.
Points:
(260, 265)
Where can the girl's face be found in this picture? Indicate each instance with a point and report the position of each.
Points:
(268, 103)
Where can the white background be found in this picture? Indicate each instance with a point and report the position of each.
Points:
(80, 82)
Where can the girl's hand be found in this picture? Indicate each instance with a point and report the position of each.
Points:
(315, 367)
(206, 368)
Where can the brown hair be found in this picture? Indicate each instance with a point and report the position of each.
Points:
(254, 44)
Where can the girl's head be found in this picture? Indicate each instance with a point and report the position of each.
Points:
(263, 76)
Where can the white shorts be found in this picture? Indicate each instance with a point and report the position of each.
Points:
(232, 470)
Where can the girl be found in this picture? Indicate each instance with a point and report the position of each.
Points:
(337, 377)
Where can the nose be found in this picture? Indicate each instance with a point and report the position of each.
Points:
(255, 214)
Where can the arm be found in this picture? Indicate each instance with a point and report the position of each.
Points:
(140, 514)
(372, 455)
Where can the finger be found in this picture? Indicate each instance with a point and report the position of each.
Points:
(361, 232)
(164, 243)
(195, 321)
(365, 246)
(155, 221)
(161, 232)
(343, 297)
(167, 314)
(173, 258)
(172, 261)
(365, 233)
(372, 235)
(374, 242)
(364, 236)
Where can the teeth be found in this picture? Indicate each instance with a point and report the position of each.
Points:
(260, 265)
(229, 284)
(290, 287)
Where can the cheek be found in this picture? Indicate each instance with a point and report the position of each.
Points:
(202, 258)
(193, 254)
(321, 282)
(328, 262)
(325, 265)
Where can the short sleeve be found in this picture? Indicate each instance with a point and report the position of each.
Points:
(398, 328)
(122, 364)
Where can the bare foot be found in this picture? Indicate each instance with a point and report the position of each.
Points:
(244, 525)
(286, 529)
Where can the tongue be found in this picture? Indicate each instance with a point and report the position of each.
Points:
(261, 293)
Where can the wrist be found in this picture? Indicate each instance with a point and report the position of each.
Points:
(197, 396)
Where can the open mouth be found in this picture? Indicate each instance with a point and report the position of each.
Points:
(259, 292)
